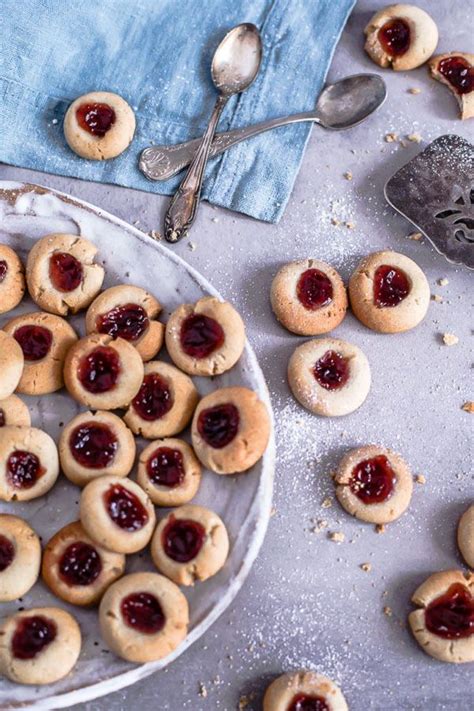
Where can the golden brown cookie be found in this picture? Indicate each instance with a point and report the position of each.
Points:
(169, 472)
(29, 463)
(12, 279)
(456, 71)
(465, 536)
(13, 411)
(303, 690)
(20, 557)
(12, 363)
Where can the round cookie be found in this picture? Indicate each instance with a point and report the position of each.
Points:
(94, 444)
(465, 536)
(389, 293)
(205, 338)
(117, 514)
(99, 125)
(78, 570)
(230, 430)
(20, 557)
(39, 646)
(401, 37)
(13, 411)
(303, 690)
(128, 312)
(29, 463)
(103, 373)
(329, 377)
(143, 617)
(308, 297)
(373, 484)
(44, 339)
(442, 625)
(61, 274)
(12, 363)
(12, 279)
(164, 403)
(169, 472)
(456, 71)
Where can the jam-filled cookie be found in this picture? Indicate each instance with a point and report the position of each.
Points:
(13, 411)
(12, 279)
(94, 444)
(190, 544)
(20, 557)
(39, 646)
(164, 404)
(401, 37)
(205, 338)
(117, 514)
(308, 297)
(128, 312)
(374, 484)
(443, 624)
(230, 430)
(329, 377)
(76, 568)
(99, 125)
(389, 293)
(12, 363)
(143, 617)
(456, 71)
(169, 472)
(44, 339)
(103, 373)
(29, 464)
(304, 691)
(465, 536)
(61, 274)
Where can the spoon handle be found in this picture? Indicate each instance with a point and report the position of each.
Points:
(182, 209)
(162, 162)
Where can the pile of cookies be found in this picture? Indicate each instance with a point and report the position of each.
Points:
(126, 392)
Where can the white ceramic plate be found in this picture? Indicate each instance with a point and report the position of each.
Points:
(28, 212)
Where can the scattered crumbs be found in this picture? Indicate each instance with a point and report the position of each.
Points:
(54, 122)
(387, 611)
(437, 298)
(337, 537)
(449, 339)
(390, 137)
(414, 90)
(154, 234)
(443, 281)
(468, 407)
(420, 479)
(414, 137)
(192, 246)
(319, 526)
(202, 691)
(348, 175)
(273, 511)
(215, 219)
(380, 528)
(335, 221)
(415, 236)
(245, 700)
(350, 225)
(327, 503)
(366, 567)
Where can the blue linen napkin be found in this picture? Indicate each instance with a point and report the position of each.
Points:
(157, 55)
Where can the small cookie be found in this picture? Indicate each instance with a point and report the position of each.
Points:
(389, 293)
(76, 568)
(103, 373)
(443, 625)
(308, 297)
(230, 430)
(205, 338)
(456, 71)
(29, 464)
(169, 472)
(329, 377)
(12, 279)
(39, 646)
(117, 514)
(190, 544)
(374, 484)
(20, 557)
(164, 403)
(303, 690)
(13, 411)
(12, 363)
(143, 617)
(44, 339)
(465, 536)
(401, 37)
(128, 312)
(99, 125)
(94, 444)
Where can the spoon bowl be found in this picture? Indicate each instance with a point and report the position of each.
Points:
(237, 59)
(348, 102)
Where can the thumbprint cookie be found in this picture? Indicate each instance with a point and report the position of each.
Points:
(456, 71)
(12, 279)
(12, 363)
(13, 411)
(465, 536)
(29, 464)
(169, 472)
(20, 557)
(304, 691)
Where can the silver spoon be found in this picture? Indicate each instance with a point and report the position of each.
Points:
(235, 65)
(342, 105)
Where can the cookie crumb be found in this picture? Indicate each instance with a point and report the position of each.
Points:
(414, 90)
(350, 225)
(337, 537)
(327, 503)
(366, 567)
(273, 511)
(420, 479)
(437, 298)
(202, 691)
(335, 221)
(192, 246)
(387, 611)
(414, 138)
(443, 281)
(449, 339)
(320, 526)
(380, 528)
(215, 219)
(415, 236)
(468, 407)
(245, 700)
(348, 175)
(391, 137)
(154, 234)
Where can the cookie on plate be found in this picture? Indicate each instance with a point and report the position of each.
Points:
(14, 411)
(169, 472)
(12, 363)
(456, 71)
(12, 279)
(29, 464)
(465, 536)
(20, 557)
(303, 690)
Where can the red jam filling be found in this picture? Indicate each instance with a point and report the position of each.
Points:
(314, 289)
(153, 400)
(65, 271)
(35, 341)
(391, 286)
(331, 370)
(219, 425)
(394, 37)
(7, 553)
(32, 635)
(95, 118)
(80, 564)
(99, 371)
(182, 539)
(373, 480)
(143, 612)
(93, 445)
(303, 702)
(165, 467)
(129, 321)
(2, 418)
(125, 509)
(200, 336)
(23, 469)
(452, 615)
(459, 73)
(3, 270)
